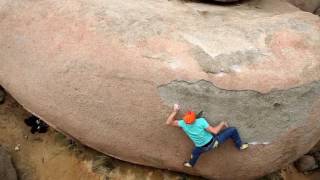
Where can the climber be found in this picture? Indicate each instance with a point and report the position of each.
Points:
(204, 136)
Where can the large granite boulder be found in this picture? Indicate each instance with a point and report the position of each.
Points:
(7, 170)
(107, 73)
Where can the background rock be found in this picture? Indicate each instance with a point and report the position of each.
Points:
(106, 72)
(225, 1)
(316, 156)
(317, 12)
(7, 170)
(306, 163)
(309, 5)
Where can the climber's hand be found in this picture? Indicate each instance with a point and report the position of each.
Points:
(226, 125)
(176, 107)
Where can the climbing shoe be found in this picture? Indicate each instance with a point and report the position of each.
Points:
(244, 146)
(187, 164)
(215, 144)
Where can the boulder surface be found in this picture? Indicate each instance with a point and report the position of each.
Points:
(107, 72)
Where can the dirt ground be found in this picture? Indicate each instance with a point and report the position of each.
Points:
(51, 156)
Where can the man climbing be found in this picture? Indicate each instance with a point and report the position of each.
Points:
(204, 136)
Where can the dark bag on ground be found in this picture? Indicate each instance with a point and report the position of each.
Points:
(36, 124)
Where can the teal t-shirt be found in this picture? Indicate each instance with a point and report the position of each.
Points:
(197, 131)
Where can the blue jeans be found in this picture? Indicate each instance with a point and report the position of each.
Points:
(224, 135)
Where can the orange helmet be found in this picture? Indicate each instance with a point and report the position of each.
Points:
(189, 117)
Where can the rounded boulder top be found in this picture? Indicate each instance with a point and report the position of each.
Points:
(107, 73)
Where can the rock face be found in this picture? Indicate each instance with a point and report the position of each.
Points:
(7, 171)
(107, 72)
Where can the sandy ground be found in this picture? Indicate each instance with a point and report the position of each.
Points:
(50, 156)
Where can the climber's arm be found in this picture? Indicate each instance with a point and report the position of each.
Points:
(218, 128)
(172, 118)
